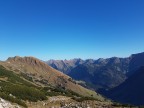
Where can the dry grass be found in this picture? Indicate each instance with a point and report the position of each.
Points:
(39, 70)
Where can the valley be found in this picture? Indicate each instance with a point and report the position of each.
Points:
(106, 75)
(30, 82)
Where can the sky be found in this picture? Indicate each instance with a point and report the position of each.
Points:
(66, 29)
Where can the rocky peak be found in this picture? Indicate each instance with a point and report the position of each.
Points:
(28, 60)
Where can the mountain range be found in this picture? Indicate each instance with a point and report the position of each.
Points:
(101, 73)
(65, 66)
(104, 75)
(24, 80)
(29, 82)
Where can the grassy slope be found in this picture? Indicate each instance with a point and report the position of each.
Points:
(17, 90)
(40, 71)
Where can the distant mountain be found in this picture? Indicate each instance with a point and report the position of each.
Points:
(102, 73)
(131, 91)
(28, 78)
(65, 66)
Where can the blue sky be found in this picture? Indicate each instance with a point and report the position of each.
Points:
(66, 29)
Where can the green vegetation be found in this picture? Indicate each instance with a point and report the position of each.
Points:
(12, 99)
(81, 99)
(15, 89)
(49, 91)
(13, 78)
(26, 77)
(52, 91)
(24, 92)
(115, 104)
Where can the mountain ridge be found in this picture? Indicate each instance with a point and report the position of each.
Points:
(105, 68)
(42, 74)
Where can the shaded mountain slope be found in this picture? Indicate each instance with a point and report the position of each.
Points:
(136, 61)
(106, 74)
(103, 73)
(131, 91)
